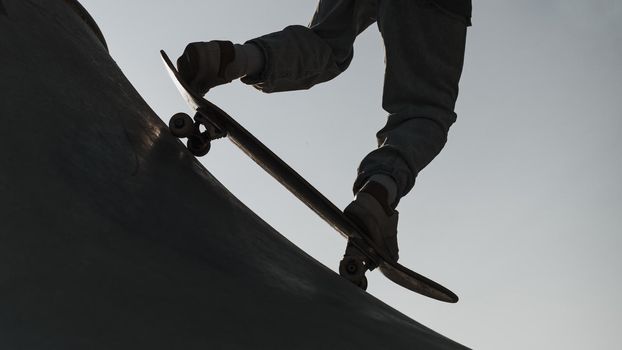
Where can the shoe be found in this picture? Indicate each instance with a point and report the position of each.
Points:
(377, 221)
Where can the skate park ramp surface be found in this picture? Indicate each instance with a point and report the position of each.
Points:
(112, 236)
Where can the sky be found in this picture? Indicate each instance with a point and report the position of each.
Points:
(520, 215)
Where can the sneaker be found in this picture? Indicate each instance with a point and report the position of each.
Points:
(377, 221)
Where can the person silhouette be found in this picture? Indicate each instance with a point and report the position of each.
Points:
(424, 54)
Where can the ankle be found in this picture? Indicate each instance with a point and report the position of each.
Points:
(384, 190)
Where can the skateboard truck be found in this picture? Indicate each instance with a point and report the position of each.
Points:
(354, 265)
(199, 141)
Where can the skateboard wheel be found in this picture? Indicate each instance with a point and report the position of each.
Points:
(353, 270)
(181, 125)
(197, 145)
(363, 283)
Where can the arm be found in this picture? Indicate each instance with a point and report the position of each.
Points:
(299, 57)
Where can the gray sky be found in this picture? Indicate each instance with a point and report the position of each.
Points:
(520, 215)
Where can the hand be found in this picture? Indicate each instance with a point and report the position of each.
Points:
(203, 64)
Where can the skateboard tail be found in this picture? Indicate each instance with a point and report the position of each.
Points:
(417, 283)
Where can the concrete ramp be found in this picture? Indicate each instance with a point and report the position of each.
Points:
(112, 236)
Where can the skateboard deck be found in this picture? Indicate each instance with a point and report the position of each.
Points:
(361, 255)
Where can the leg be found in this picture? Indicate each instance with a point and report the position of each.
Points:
(424, 57)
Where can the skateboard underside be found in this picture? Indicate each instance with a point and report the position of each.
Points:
(363, 255)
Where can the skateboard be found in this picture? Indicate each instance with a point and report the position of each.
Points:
(211, 123)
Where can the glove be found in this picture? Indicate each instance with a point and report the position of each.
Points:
(203, 64)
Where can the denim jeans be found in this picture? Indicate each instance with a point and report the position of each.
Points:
(424, 47)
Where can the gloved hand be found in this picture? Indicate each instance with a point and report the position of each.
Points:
(203, 64)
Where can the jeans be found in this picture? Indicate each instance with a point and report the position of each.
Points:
(424, 48)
